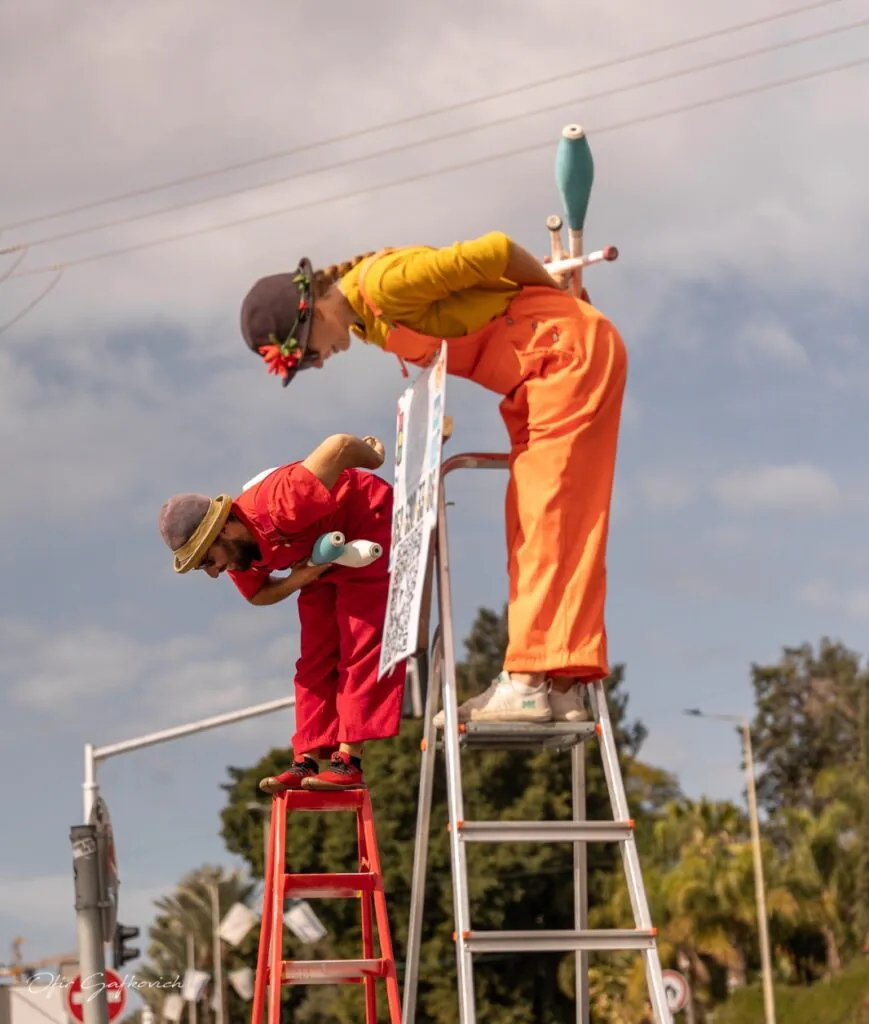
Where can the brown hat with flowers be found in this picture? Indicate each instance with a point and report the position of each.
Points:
(276, 318)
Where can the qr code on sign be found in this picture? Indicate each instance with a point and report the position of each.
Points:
(406, 580)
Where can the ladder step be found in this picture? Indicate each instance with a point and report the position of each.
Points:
(546, 831)
(524, 735)
(323, 800)
(560, 941)
(330, 972)
(329, 886)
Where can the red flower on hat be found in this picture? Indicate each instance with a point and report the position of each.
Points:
(281, 358)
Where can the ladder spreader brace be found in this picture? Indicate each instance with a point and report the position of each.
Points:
(441, 675)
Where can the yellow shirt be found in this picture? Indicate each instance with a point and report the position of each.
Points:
(441, 293)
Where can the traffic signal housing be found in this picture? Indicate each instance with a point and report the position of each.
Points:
(121, 953)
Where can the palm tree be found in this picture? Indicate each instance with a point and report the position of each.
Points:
(184, 918)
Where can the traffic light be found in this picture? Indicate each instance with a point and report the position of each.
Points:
(121, 953)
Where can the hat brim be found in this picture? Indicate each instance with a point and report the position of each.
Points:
(304, 332)
(190, 555)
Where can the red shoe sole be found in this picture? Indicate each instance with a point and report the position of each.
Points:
(271, 785)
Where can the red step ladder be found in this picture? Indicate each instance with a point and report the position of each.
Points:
(366, 883)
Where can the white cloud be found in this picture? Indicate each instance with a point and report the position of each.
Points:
(795, 488)
(857, 604)
(66, 674)
(819, 594)
(775, 342)
(666, 488)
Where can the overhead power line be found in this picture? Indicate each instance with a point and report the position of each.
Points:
(412, 118)
(437, 172)
(447, 136)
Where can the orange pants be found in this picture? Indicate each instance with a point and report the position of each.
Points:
(561, 367)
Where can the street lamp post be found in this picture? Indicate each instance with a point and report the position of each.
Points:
(759, 887)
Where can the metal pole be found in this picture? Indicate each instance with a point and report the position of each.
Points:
(765, 959)
(90, 788)
(92, 964)
(191, 966)
(218, 963)
(178, 731)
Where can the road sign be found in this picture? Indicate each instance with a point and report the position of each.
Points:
(77, 996)
(676, 990)
(108, 864)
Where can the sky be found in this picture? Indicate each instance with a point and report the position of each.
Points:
(740, 504)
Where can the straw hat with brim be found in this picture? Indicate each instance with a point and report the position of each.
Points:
(190, 524)
(276, 318)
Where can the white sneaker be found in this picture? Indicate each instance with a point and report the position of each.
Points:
(569, 706)
(505, 701)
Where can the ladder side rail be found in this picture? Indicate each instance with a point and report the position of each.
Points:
(630, 857)
(367, 924)
(381, 914)
(452, 755)
(262, 960)
(279, 857)
(423, 833)
(580, 878)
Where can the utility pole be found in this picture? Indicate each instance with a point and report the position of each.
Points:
(759, 886)
(191, 966)
(91, 946)
(219, 1013)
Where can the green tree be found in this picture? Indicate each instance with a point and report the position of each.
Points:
(512, 886)
(807, 719)
(812, 717)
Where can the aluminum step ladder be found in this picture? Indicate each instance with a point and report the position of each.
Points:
(456, 739)
(272, 971)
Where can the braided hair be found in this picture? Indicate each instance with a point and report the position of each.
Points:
(325, 278)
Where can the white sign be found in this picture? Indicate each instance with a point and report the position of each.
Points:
(304, 923)
(676, 990)
(242, 981)
(173, 1007)
(237, 922)
(419, 443)
(194, 985)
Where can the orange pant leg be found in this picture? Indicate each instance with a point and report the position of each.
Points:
(564, 425)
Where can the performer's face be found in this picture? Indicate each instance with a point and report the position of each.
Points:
(330, 331)
(234, 549)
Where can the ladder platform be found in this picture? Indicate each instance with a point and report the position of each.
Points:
(330, 972)
(598, 940)
(546, 831)
(329, 886)
(324, 800)
(523, 735)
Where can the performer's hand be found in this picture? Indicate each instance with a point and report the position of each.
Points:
(377, 446)
(560, 280)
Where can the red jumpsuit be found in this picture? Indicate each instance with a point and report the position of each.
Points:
(342, 614)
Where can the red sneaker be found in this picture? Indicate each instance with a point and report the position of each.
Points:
(292, 778)
(340, 775)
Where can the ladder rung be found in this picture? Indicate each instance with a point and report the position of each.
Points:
(524, 735)
(320, 800)
(545, 831)
(560, 941)
(330, 972)
(327, 886)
